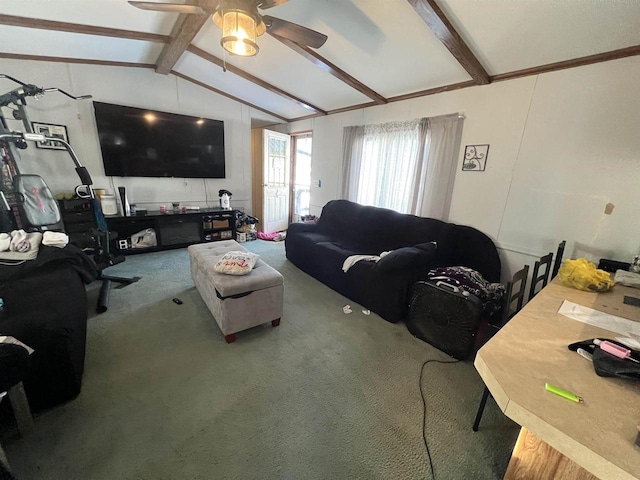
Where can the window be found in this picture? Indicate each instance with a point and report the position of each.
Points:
(301, 173)
(388, 169)
(405, 166)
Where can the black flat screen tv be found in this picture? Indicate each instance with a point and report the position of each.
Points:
(138, 142)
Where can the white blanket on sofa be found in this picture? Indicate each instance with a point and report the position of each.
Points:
(353, 259)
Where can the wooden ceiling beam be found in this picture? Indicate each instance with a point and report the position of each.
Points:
(247, 76)
(551, 67)
(184, 31)
(25, 22)
(399, 98)
(438, 23)
(111, 63)
(224, 94)
(575, 62)
(433, 91)
(151, 37)
(334, 70)
(81, 61)
(527, 72)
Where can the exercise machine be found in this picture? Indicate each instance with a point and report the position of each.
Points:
(20, 193)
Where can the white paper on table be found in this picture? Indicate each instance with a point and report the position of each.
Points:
(599, 319)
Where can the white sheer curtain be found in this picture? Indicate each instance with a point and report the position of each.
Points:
(352, 144)
(431, 195)
(402, 165)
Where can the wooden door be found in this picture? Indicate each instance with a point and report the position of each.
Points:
(276, 178)
(271, 179)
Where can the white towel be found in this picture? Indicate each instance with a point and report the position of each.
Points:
(34, 240)
(353, 259)
(15, 341)
(5, 241)
(19, 242)
(55, 239)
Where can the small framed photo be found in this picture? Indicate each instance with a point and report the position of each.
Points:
(50, 130)
(475, 158)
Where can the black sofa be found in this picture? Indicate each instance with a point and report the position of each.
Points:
(346, 228)
(45, 306)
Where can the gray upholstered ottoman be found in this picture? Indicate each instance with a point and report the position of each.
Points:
(236, 302)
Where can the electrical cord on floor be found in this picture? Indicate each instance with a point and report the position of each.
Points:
(424, 412)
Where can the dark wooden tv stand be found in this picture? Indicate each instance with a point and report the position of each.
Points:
(174, 229)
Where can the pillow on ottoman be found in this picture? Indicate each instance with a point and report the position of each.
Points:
(419, 255)
(236, 263)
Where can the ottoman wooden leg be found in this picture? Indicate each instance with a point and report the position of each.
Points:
(275, 322)
(230, 338)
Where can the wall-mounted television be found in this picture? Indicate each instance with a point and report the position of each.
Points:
(138, 142)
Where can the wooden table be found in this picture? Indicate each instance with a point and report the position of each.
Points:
(560, 438)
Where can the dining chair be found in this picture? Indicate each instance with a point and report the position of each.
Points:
(558, 261)
(538, 278)
(516, 289)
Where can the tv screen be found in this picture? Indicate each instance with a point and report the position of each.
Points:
(138, 142)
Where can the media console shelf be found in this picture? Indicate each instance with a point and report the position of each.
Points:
(174, 229)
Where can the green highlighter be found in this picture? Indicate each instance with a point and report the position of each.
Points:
(563, 393)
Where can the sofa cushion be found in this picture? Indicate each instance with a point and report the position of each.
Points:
(314, 238)
(374, 230)
(329, 258)
(335, 254)
(418, 256)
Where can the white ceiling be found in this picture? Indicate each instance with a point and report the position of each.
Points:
(382, 43)
(508, 35)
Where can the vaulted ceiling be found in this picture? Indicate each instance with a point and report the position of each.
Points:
(378, 51)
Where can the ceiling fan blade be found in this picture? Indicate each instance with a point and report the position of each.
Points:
(264, 4)
(169, 7)
(292, 31)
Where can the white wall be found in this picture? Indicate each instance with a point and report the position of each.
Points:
(138, 88)
(563, 145)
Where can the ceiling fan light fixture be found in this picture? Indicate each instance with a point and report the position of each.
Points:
(239, 33)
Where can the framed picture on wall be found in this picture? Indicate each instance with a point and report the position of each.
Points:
(475, 158)
(50, 130)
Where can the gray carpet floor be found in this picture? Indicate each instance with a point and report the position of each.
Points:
(323, 396)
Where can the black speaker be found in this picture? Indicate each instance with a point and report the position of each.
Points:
(447, 317)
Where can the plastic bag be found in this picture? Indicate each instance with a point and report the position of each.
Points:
(144, 239)
(583, 275)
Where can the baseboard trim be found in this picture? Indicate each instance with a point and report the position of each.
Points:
(520, 250)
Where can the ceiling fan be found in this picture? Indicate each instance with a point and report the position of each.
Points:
(241, 23)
